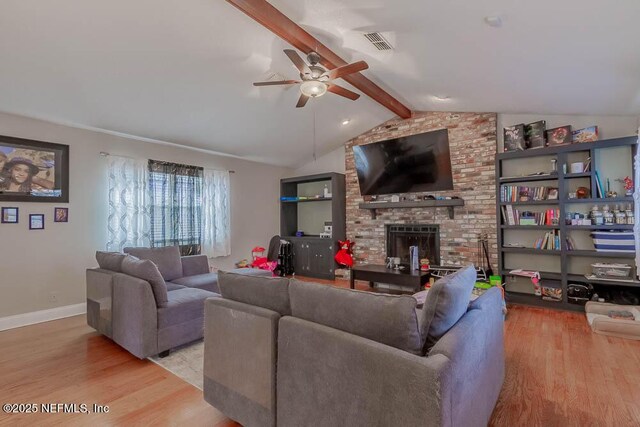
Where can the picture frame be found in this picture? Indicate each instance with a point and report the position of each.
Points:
(9, 215)
(559, 136)
(36, 222)
(553, 194)
(588, 134)
(33, 171)
(514, 138)
(61, 215)
(534, 134)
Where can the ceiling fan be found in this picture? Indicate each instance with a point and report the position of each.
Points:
(315, 80)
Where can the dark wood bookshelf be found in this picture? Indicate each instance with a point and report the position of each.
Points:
(560, 180)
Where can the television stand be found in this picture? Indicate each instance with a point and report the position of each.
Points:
(449, 204)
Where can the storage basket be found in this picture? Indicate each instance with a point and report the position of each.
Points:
(605, 270)
(613, 241)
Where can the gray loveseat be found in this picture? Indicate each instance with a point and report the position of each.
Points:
(149, 300)
(289, 353)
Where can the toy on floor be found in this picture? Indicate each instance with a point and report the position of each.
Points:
(260, 261)
(244, 263)
(344, 256)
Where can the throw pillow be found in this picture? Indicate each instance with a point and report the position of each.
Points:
(110, 260)
(446, 303)
(166, 258)
(146, 270)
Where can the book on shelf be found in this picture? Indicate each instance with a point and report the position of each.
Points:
(520, 193)
(513, 216)
(599, 188)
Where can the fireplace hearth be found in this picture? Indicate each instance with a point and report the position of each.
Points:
(399, 237)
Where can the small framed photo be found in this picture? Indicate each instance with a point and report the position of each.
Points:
(36, 222)
(9, 216)
(61, 215)
(560, 135)
(589, 134)
(553, 194)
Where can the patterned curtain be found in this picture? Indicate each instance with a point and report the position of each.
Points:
(128, 222)
(216, 214)
(176, 206)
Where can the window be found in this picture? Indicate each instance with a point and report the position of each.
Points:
(176, 206)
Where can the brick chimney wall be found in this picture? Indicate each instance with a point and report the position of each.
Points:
(472, 140)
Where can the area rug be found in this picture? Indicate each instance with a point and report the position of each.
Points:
(185, 362)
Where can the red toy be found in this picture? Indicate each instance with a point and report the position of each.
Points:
(345, 254)
(260, 261)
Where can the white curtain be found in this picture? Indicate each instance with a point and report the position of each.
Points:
(216, 218)
(636, 199)
(129, 217)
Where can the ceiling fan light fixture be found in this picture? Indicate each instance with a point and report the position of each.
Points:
(313, 88)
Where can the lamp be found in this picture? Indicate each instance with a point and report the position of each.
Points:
(313, 88)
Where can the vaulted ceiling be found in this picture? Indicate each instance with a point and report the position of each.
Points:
(182, 71)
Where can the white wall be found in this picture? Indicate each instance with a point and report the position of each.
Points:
(35, 264)
(333, 161)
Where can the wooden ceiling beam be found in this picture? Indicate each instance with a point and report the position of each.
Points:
(278, 23)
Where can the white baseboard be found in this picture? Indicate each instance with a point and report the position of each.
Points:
(34, 317)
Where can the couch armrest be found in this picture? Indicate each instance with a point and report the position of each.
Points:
(135, 316)
(194, 264)
(99, 293)
(327, 377)
(475, 347)
(240, 361)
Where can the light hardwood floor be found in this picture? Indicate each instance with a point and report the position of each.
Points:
(558, 374)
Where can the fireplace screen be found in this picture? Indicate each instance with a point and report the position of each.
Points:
(426, 237)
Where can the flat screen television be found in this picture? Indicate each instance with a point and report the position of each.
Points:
(411, 164)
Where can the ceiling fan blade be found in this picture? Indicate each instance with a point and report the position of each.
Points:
(302, 101)
(297, 61)
(336, 73)
(339, 90)
(277, 82)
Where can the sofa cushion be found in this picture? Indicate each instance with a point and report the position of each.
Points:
(110, 260)
(146, 270)
(387, 319)
(166, 258)
(207, 281)
(173, 286)
(446, 302)
(184, 305)
(265, 292)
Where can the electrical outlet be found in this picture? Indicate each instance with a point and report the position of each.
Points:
(53, 297)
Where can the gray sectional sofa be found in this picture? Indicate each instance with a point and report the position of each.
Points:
(149, 300)
(282, 352)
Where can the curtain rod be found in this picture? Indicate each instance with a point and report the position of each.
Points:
(105, 154)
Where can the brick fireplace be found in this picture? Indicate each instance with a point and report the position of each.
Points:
(472, 139)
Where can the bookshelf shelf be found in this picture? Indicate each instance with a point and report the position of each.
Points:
(565, 183)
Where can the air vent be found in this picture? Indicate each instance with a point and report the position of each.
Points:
(378, 41)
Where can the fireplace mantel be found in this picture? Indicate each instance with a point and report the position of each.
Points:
(449, 204)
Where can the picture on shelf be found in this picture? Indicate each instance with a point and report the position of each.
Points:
(61, 215)
(534, 134)
(36, 222)
(514, 138)
(589, 134)
(33, 171)
(560, 135)
(552, 194)
(9, 215)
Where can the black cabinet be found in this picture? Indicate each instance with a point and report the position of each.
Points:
(314, 257)
(306, 209)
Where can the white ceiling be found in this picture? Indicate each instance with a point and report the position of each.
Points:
(182, 71)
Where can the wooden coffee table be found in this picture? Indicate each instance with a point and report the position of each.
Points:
(372, 273)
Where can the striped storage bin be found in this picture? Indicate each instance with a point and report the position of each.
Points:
(613, 241)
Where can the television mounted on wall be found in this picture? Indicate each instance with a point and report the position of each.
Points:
(409, 164)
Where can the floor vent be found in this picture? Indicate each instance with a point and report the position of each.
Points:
(378, 41)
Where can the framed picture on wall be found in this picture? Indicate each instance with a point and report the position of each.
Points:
(9, 215)
(33, 171)
(61, 215)
(36, 222)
